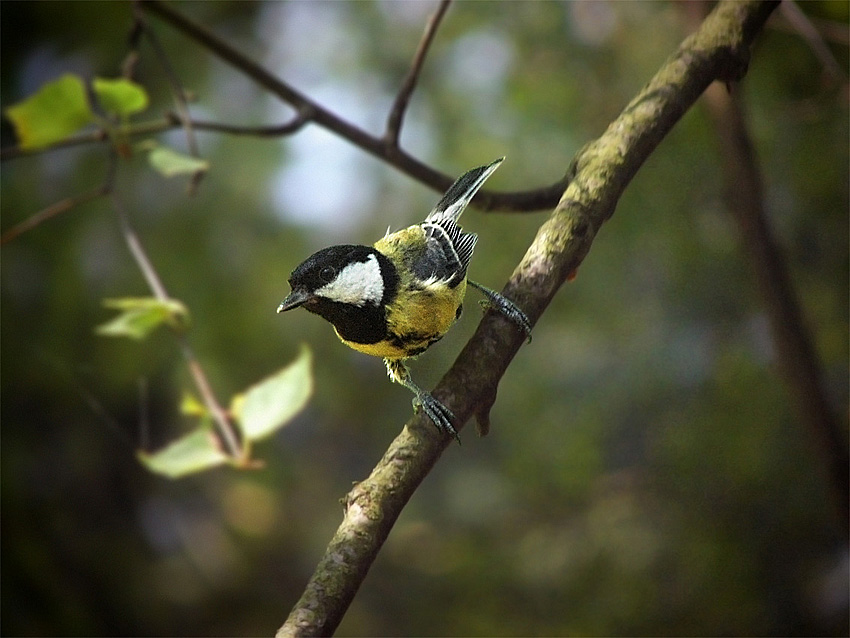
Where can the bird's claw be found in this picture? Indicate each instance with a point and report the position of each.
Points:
(437, 412)
(504, 306)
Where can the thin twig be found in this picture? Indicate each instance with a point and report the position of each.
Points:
(832, 31)
(51, 211)
(131, 59)
(80, 139)
(806, 29)
(152, 127)
(225, 427)
(139, 255)
(177, 91)
(64, 205)
(275, 130)
(394, 122)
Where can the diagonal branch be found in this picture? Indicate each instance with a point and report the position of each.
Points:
(720, 50)
(226, 430)
(57, 208)
(64, 205)
(792, 12)
(796, 357)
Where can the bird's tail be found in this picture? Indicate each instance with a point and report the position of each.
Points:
(461, 193)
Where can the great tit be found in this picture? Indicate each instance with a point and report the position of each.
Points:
(398, 297)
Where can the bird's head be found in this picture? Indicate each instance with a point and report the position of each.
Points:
(348, 274)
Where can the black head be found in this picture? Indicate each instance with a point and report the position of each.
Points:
(349, 286)
(348, 274)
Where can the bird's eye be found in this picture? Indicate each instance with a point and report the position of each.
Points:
(327, 274)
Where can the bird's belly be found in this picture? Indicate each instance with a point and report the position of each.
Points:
(417, 323)
(386, 349)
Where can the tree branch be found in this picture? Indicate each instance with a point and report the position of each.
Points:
(307, 111)
(57, 208)
(399, 107)
(536, 199)
(801, 23)
(796, 357)
(719, 50)
(226, 430)
(177, 91)
(62, 206)
(152, 127)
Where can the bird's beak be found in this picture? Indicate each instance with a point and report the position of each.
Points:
(294, 299)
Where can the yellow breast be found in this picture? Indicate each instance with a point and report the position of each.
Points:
(417, 319)
(422, 312)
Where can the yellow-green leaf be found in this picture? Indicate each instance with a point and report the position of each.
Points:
(195, 452)
(140, 315)
(192, 406)
(273, 402)
(120, 96)
(57, 110)
(169, 162)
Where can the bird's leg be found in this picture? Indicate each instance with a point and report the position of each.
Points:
(438, 413)
(502, 304)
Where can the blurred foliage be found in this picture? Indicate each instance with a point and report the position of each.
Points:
(645, 473)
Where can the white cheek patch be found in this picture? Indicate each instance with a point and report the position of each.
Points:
(358, 283)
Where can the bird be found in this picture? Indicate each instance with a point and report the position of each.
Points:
(398, 297)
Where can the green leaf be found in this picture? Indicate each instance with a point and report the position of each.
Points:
(169, 162)
(140, 315)
(57, 110)
(120, 96)
(195, 452)
(272, 403)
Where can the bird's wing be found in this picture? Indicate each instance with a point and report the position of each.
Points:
(448, 252)
(449, 249)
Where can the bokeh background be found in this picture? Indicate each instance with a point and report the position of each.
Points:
(646, 472)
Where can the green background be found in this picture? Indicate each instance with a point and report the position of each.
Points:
(646, 472)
